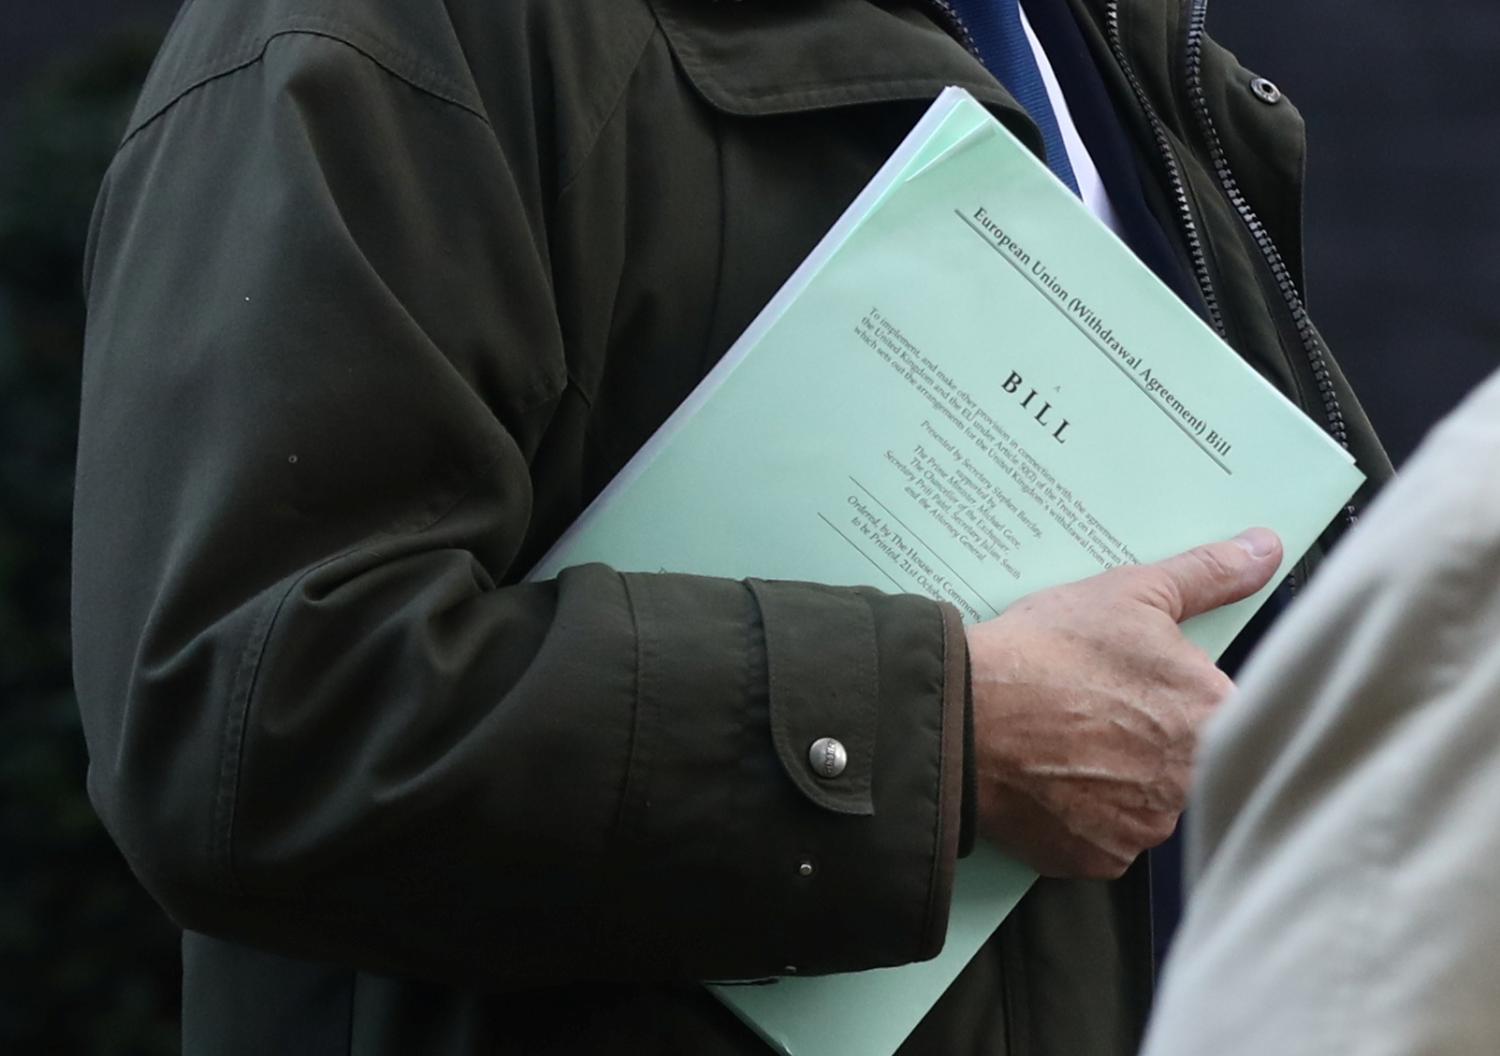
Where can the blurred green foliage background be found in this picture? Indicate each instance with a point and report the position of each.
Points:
(89, 964)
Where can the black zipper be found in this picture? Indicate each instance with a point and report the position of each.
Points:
(1225, 175)
(1178, 184)
(942, 12)
(1312, 342)
(1180, 197)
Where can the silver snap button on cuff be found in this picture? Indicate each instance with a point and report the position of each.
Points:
(828, 757)
(1265, 90)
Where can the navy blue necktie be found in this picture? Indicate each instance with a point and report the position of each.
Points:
(996, 28)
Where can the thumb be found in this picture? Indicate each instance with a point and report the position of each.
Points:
(1207, 577)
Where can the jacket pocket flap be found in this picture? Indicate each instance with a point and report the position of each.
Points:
(762, 59)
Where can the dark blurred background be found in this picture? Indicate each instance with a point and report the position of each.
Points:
(88, 965)
(1401, 100)
(1402, 103)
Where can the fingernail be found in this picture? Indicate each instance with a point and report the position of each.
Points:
(1258, 542)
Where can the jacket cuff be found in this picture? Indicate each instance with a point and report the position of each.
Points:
(773, 863)
(968, 826)
(957, 773)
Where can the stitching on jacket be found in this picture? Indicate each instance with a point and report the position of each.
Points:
(925, 935)
(539, 392)
(572, 383)
(868, 678)
(232, 750)
(818, 92)
(747, 736)
(627, 837)
(627, 789)
(590, 393)
(257, 646)
(570, 170)
(863, 677)
(855, 92)
(421, 77)
(776, 716)
(716, 303)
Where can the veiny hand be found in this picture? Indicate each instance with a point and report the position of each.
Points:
(1087, 703)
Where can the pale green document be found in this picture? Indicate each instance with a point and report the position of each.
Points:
(970, 390)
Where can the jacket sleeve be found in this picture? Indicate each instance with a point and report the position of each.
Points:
(323, 715)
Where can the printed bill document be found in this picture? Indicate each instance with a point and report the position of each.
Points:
(970, 390)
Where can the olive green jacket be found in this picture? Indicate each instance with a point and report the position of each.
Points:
(381, 294)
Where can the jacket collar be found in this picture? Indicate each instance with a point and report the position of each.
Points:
(756, 58)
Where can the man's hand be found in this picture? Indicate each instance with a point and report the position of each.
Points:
(1087, 703)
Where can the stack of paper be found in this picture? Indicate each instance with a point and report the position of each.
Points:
(970, 390)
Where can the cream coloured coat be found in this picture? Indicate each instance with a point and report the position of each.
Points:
(1345, 833)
